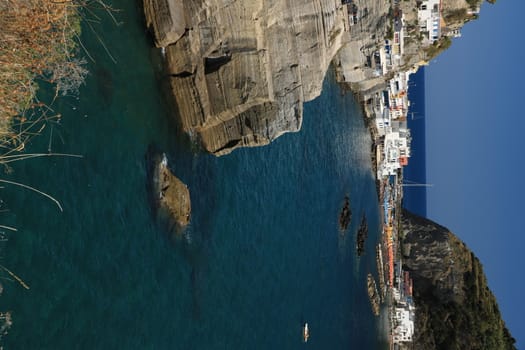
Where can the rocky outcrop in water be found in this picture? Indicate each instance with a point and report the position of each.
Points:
(345, 215)
(455, 308)
(170, 196)
(373, 294)
(362, 234)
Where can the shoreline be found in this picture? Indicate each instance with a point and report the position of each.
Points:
(385, 298)
(385, 289)
(369, 124)
(368, 66)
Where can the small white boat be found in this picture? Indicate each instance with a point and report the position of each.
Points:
(306, 332)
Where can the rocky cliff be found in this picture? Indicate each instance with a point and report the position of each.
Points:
(240, 71)
(455, 308)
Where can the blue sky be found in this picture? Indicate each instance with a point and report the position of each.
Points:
(475, 128)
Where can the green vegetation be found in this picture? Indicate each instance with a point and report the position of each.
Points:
(474, 323)
(455, 307)
(437, 47)
(456, 16)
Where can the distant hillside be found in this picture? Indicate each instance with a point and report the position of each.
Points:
(454, 15)
(455, 308)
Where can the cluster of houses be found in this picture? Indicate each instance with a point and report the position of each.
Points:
(432, 24)
(403, 323)
(404, 308)
(390, 109)
(400, 284)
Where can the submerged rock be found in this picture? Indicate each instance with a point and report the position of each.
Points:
(362, 234)
(373, 294)
(346, 215)
(170, 196)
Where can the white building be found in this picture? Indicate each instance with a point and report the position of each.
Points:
(399, 83)
(383, 122)
(429, 16)
(396, 294)
(396, 151)
(382, 114)
(404, 330)
(399, 103)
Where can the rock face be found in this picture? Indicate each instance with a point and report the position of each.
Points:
(455, 308)
(167, 18)
(351, 61)
(170, 195)
(241, 70)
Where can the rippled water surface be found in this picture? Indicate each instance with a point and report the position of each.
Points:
(263, 253)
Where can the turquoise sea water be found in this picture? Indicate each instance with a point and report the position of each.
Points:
(263, 253)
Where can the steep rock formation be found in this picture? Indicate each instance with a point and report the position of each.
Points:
(167, 18)
(455, 308)
(241, 70)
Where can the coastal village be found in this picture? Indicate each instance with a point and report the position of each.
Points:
(387, 111)
(246, 89)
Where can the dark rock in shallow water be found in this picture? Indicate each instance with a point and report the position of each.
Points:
(346, 215)
(362, 234)
(373, 294)
(170, 197)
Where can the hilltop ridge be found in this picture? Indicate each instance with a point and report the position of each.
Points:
(456, 309)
